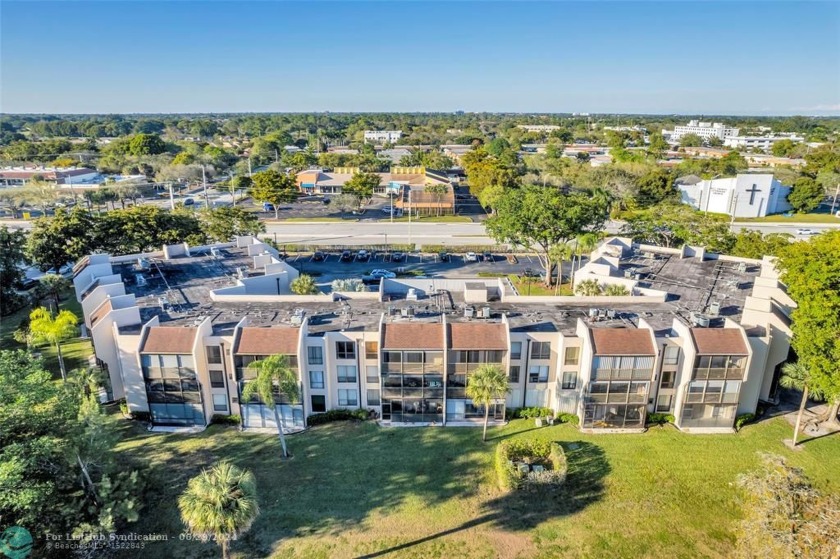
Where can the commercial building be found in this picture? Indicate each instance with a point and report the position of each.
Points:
(745, 195)
(764, 143)
(705, 130)
(538, 127)
(701, 336)
(382, 136)
(19, 176)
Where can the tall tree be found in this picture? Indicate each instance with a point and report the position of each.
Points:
(806, 195)
(46, 328)
(485, 386)
(274, 188)
(362, 185)
(795, 375)
(52, 286)
(672, 224)
(541, 218)
(146, 144)
(223, 224)
(67, 237)
(438, 191)
(691, 140)
(275, 378)
(811, 271)
(219, 504)
(11, 268)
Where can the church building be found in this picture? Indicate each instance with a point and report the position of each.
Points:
(746, 195)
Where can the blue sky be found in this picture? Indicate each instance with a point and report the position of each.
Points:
(190, 56)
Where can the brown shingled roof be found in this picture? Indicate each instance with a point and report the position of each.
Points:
(273, 340)
(622, 341)
(477, 336)
(413, 336)
(169, 339)
(102, 310)
(719, 341)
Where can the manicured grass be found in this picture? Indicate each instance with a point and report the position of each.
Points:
(432, 219)
(795, 218)
(76, 351)
(537, 287)
(356, 490)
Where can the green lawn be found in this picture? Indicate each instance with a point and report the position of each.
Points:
(432, 219)
(76, 350)
(358, 490)
(796, 218)
(530, 286)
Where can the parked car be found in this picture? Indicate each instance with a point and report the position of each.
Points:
(325, 201)
(806, 232)
(318, 256)
(471, 257)
(268, 207)
(397, 257)
(443, 256)
(363, 255)
(346, 256)
(488, 257)
(189, 201)
(388, 209)
(512, 259)
(376, 276)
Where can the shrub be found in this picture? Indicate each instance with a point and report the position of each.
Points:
(548, 454)
(743, 419)
(124, 407)
(529, 413)
(221, 419)
(347, 285)
(141, 416)
(660, 418)
(338, 414)
(568, 418)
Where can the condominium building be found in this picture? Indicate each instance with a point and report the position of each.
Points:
(764, 143)
(705, 130)
(383, 136)
(701, 336)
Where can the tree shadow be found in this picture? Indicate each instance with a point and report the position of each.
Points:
(524, 510)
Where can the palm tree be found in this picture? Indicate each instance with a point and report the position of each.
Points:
(53, 285)
(46, 328)
(220, 504)
(588, 288)
(559, 254)
(303, 285)
(585, 244)
(274, 374)
(616, 290)
(795, 375)
(485, 385)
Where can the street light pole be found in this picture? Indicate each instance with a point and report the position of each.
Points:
(409, 218)
(204, 182)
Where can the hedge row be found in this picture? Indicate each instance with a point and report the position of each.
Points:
(509, 452)
(338, 414)
(660, 418)
(221, 419)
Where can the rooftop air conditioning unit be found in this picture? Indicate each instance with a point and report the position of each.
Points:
(469, 312)
(409, 311)
(593, 313)
(485, 312)
(699, 320)
(610, 313)
(714, 308)
(628, 274)
(742, 267)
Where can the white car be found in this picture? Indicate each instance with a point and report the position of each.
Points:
(383, 274)
(471, 257)
(806, 232)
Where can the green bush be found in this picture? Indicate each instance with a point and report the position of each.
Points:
(568, 418)
(743, 419)
(221, 419)
(510, 453)
(141, 416)
(124, 407)
(529, 413)
(660, 418)
(480, 249)
(338, 414)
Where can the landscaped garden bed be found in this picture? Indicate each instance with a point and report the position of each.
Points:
(530, 464)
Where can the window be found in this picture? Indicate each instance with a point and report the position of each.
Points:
(345, 350)
(569, 380)
(668, 378)
(372, 374)
(514, 373)
(413, 356)
(219, 402)
(538, 373)
(494, 356)
(316, 379)
(315, 355)
(319, 403)
(217, 379)
(516, 350)
(346, 373)
(371, 350)
(214, 354)
(373, 397)
(347, 397)
(572, 356)
(672, 355)
(541, 350)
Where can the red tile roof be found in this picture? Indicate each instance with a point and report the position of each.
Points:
(169, 339)
(413, 336)
(622, 341)
(272, 340)
(719, 341)
(477, 336)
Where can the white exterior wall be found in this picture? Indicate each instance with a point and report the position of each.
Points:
(746, 195)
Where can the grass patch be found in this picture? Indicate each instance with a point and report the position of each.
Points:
(432, 219)
(536, 285)
(354, 489)
(795, 218)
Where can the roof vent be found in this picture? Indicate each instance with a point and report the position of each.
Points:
(742, 267)
(700, 320)
(714, 308)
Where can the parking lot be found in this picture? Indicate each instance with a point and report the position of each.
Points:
(412, 264)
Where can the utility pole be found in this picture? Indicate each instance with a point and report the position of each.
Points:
(204, 182)
(409, 218)
(171, 197)
(834, 202)
(249, 167)
(276, 156)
